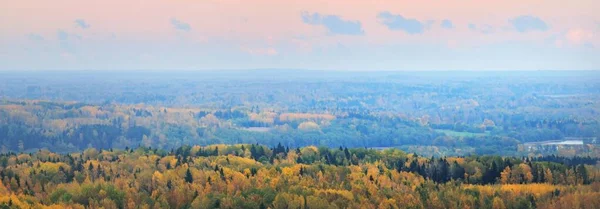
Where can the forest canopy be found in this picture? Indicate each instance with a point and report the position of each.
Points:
(441, 114)
(256, 176)
(304, 139)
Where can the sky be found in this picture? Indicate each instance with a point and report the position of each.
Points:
(359, 35)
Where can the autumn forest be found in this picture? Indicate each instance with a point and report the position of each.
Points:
(306, 139)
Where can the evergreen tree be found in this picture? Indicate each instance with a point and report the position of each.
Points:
(188, 176)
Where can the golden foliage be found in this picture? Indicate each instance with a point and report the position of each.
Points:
(146, 179)
(505, 175)
(497, 203)
(308, 126)
(536, 189)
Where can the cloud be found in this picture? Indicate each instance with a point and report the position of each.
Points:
(485, 29)
(580, 36)
(397, 22)
(334, 24)
(180, 25)
(447, 24)
(526, 23)
(575, 37)
(68, 41)
(62, 35)
(35, 37)
(82, 24)
(472, 26)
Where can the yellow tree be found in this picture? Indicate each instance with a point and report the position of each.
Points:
(505, 175)
(526, 173)
(497, 203)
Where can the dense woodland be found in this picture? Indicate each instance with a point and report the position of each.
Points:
(303, 139)
(433, 114)
(28, 125)
(255, 176)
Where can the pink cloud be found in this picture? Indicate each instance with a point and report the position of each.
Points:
(580, 36)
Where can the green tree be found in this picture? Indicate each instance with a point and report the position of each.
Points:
(188, 176)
